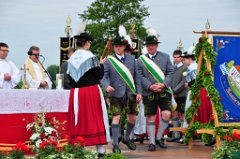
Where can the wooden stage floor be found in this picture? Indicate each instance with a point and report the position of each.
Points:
(174, 151)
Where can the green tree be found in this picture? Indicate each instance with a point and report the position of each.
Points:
(105, 16)
(53, 70)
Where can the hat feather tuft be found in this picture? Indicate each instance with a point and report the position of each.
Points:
(152, 32)
(191, 50)
(122, 31)
(81, 28)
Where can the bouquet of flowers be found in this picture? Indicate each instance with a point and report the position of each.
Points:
(43, 132)
(72, 150)
(230, 147)
(47, 144)
(17, 152)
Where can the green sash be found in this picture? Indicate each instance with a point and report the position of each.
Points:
(157, 74)
(123, 72)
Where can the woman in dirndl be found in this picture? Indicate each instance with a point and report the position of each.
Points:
(87, 110)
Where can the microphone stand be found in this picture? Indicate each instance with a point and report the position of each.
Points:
(46, 70)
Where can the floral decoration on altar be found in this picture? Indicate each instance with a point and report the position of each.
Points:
(46, 142)
(43, 132)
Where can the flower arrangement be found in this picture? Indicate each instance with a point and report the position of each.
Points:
(46, 143)
(72, 150)
(230, 147)
(18, 152)
(43, 132)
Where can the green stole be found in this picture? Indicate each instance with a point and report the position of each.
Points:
(157, 74)
(124, 72)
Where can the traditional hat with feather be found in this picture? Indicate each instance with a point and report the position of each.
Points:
(190, 52)
(81, 34)
(120, 39)
(152, 37)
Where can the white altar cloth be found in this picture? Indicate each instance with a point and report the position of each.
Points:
(33, 101)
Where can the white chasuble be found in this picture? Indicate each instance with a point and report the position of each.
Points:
(10, 68)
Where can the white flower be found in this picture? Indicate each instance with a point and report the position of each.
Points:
(46, 133)
(38, 142)
(34, 136)
(184, 74)
(49, 130)
(30, 125)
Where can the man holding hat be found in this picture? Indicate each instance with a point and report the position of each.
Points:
(156, 71)
(119, 81)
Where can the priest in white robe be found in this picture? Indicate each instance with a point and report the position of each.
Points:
(9, 73)
(36, 77)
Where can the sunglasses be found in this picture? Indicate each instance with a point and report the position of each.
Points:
(4, 50)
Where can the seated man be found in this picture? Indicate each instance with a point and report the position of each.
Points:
(9, 73)
(36, 77)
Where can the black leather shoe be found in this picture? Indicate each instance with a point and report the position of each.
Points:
(180, 141)
(172, 139)
(101, 155)
(119, 139)
(116, 149)
(161, 144)
(151, 147)
(130, 144)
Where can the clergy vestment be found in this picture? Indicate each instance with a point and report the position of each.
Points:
(35, 74)
(10, 68)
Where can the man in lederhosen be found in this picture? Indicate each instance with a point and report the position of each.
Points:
(156, 71)
(119, 81)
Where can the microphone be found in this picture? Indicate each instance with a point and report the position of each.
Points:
(42, 57)
(36, 55)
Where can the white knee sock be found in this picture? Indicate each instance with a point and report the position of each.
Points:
(151, 132)
(162, 126)
(176, 124)
(100, 148)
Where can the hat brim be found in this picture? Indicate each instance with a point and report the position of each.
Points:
(88, 37)
(186, 56)
(120, 44)
(153, 42)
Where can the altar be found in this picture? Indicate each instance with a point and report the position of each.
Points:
(18, 107)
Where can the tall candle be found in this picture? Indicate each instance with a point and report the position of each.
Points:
(59, 83)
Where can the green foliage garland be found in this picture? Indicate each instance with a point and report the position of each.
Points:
(114, 156)
(203, 79)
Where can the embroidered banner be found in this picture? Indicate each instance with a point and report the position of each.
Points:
(227, 75)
